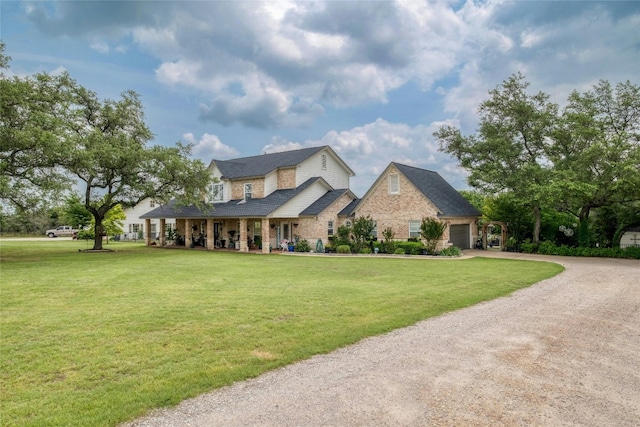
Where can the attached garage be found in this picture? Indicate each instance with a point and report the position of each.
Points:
(460, 236)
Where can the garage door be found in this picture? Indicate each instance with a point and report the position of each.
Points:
(459, 236)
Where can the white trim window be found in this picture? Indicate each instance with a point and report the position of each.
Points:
(394, 183)
(217, 192)
(414, 228)
(248, 190)
(329, 228)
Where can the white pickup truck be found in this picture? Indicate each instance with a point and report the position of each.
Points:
(62, 231)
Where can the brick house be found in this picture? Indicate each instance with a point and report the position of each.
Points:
(305, 194)
(267, 198)
(403, 195)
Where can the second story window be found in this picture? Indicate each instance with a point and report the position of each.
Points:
(394, 183)
(324, 162)
(217, 192)
(330, 228)
(152, 204)
(248, 190)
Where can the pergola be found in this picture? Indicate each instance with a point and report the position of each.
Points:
(503, 237)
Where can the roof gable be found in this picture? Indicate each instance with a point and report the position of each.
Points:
(448, 201)
(262, 164)
(324, 202)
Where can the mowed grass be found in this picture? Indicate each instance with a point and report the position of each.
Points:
(95, 339)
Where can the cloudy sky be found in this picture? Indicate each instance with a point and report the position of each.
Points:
(372, 79)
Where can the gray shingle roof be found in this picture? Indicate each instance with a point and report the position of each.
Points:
(348, 210)
(323, 202)
(264, 163)
(233, 208)
(448, 201)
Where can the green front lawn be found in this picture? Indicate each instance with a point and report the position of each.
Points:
(95, 339)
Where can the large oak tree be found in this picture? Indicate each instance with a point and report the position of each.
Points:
(596, 149)
(508, 152)
(55, 132)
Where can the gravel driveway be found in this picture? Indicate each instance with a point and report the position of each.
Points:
(564, 352)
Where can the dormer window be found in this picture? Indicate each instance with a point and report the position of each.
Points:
(394, 183)
(248, 191)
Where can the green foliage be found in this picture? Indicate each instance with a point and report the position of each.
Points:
(362, 229)
(302, 245)
(410, 248)
(75, 213)
(451, 251)
(343, 249)
(583, 158)
(388, 245)
(52, 128)
(399, 251)
(343, 237)
(87, 234)
(431, 231)
(508, 153)
(549, 248)
(33, 114)
(475, 198)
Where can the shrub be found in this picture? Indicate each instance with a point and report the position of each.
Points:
(399, 251)
(431, 231)
(548, 248)
(343, 249)
(411, 248)
(365, 251)
(451, 251)
(388, 245)
(303, 246)
(88, 234)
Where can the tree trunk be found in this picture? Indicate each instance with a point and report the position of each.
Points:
(99, 231)
(584, 240)
(537, 220)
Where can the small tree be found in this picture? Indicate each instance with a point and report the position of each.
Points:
(388, 245)
(431, 231)
(362, 229)
(344, 235)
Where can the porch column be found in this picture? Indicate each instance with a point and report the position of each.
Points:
(242, 243)
(265, 235)
(163, 232)
(187, 233)
(147, 231)
(210, 237)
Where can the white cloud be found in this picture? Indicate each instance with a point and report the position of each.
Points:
(369, 149)
(209, 147)
(101, 47)
(278, 65)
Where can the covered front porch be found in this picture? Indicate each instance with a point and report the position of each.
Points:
(239, 234)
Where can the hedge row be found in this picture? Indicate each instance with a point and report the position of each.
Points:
(549, 248)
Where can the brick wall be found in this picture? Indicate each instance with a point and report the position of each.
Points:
(237, 188)
(396, 210)
(286, 178)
